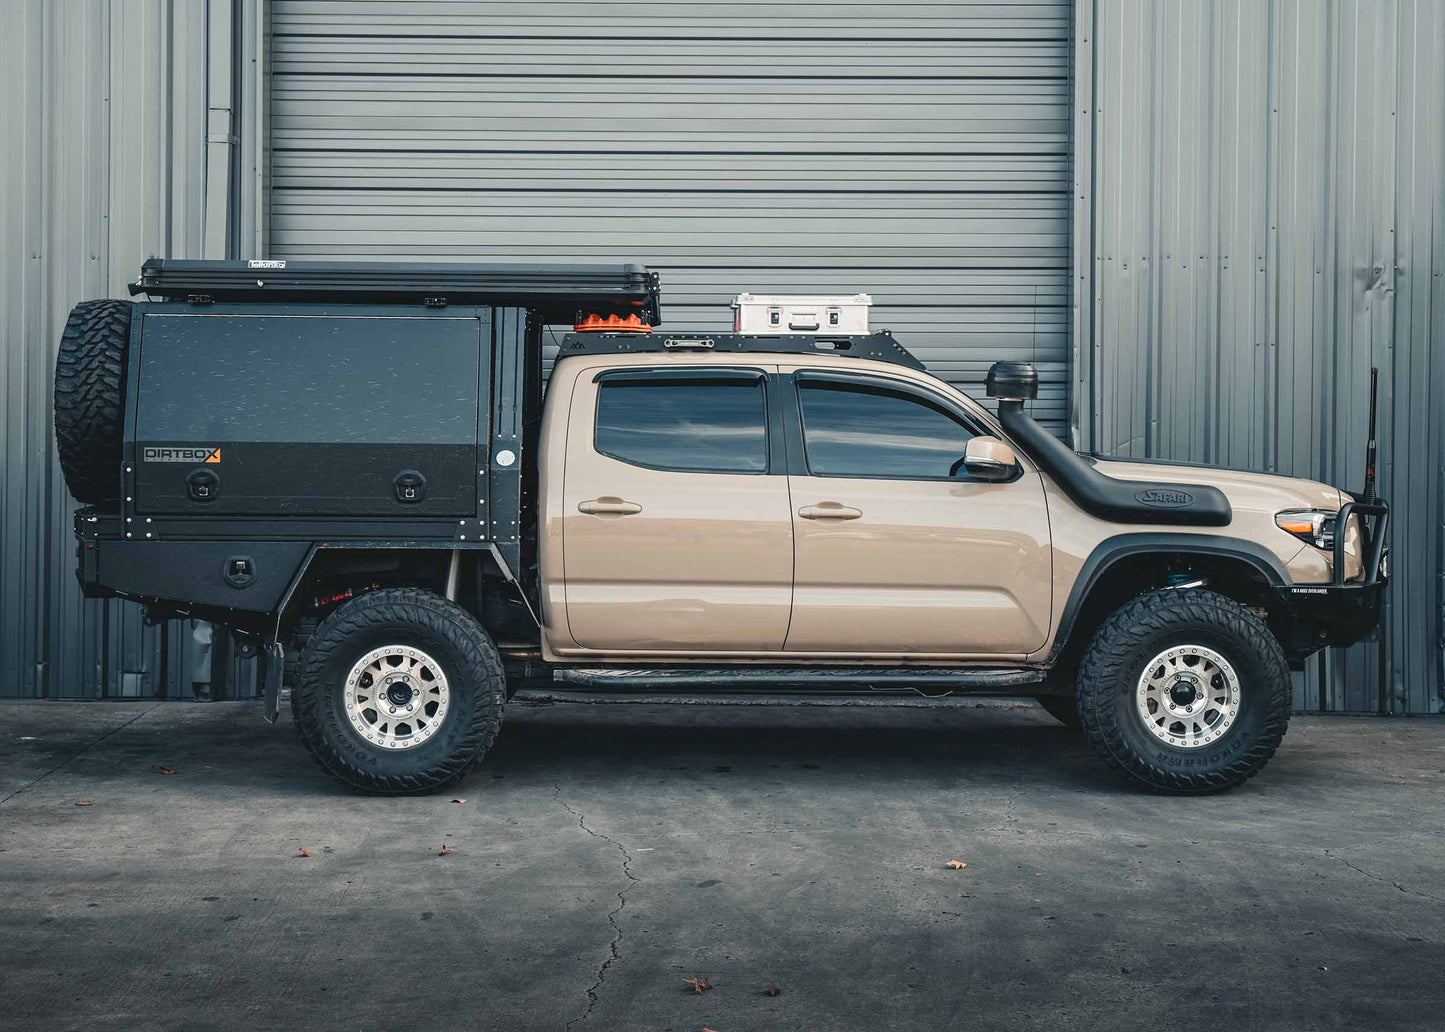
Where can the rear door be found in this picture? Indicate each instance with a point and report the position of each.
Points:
(677, 529)
(897, 550)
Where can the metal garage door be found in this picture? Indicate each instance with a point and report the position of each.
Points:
(917, 152)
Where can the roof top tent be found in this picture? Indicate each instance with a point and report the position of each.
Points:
(553, 293)
(291, 393)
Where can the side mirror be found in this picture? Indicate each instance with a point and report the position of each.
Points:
(988, 458)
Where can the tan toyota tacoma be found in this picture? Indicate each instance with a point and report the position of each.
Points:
(357, 470)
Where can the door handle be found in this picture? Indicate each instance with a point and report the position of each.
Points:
(829, 511)
(608, 504)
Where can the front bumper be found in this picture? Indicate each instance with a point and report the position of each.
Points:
(1342, 612)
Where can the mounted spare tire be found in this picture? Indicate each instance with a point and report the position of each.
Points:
(90, 398)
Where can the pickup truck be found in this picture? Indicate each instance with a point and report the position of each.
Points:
(357, 470)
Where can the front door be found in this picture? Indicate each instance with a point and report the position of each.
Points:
(897, 550)
(677, 531)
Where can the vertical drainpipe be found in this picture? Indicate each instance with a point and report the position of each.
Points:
(1083, 407)
(220, 136)
(211, 665)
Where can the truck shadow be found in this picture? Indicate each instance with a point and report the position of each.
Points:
(922, 742)
(220, 749)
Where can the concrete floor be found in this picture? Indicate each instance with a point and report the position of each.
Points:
(605, 853)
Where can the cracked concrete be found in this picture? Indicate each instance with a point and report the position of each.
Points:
(1375, 877)
(614, 946)
(605, 853)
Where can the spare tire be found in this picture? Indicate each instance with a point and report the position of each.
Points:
(90, 398)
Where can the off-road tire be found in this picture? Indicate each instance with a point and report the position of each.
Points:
(90, 398)
(1063, 708)
(1138, 632)
(407, 616)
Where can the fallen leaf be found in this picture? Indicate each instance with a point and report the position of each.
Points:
(301, 852)
(446, 849)
(957, 865)
(83, 802)
(772, 990)
(166, 770)
(699, 985)
(463, 799)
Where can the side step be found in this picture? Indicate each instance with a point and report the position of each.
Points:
(764, 700)
(981, 680)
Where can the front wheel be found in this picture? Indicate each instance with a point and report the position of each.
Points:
(1184, 691)
(398, 691)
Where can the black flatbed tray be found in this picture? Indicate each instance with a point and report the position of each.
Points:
(557, 293)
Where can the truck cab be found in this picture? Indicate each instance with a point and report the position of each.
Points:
(776, 506)
(379, 487)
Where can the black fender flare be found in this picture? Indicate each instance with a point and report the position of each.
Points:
(1126, 546)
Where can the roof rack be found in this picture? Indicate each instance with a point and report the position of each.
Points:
(557, 293)
(879, 347)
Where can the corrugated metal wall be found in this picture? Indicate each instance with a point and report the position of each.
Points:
(106, 160)
(918, 152)
(1261, 219)
(1258, 215)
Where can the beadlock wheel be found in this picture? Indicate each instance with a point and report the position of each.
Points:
(1184, 691)
(1188, 696)
(396, 696)
(398, 691)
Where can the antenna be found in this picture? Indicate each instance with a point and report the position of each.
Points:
(1369, 495)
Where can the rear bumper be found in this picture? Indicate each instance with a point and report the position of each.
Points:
(1342, 612)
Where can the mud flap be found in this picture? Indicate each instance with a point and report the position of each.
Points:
(271, 685)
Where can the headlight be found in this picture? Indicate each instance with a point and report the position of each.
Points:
(1311, 525)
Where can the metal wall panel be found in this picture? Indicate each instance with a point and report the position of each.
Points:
(105, 164)
(917, 152)
(1266, 224)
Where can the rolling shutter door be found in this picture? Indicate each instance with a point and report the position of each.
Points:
(916, 152)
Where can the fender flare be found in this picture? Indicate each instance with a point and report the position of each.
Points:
(1126, 546)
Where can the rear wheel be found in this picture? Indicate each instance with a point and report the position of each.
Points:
(1185, 692)
(398, 691)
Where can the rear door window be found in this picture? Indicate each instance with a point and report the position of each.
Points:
(704, 422)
